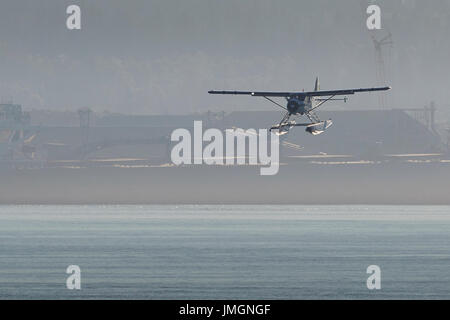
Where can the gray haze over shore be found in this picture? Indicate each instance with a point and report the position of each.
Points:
(388, 184)
(155, 57)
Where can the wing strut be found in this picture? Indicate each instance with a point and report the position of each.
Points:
(275, 103)
(322, 102)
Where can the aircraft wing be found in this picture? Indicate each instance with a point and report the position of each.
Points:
(255, 94)
(301, 94)
(343, 92)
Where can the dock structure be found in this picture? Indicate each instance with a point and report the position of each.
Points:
(16, 135)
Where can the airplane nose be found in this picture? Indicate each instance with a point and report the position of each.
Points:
(293, 106)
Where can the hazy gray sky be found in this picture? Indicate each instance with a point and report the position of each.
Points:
(142, 56)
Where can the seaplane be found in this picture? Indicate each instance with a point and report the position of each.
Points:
(303, 104)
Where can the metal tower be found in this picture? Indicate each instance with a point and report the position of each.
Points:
(380, 66)
(85, 117)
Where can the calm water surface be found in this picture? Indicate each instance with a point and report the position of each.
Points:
(224, 252)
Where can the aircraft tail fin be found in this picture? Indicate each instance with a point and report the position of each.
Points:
(317, 85)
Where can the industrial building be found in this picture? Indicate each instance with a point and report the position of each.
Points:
(145, 139)
(16, 134)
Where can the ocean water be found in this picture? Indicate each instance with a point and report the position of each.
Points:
(224, 252)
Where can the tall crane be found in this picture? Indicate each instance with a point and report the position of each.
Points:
(85, 123)
(378, 43)
(379, 64)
